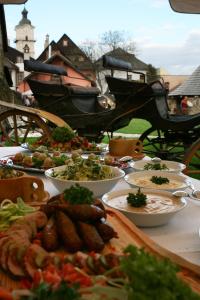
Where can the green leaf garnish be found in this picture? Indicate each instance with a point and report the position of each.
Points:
(155, 166)
(159, 180)
(137, 200)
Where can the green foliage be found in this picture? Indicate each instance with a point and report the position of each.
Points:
(152, 74)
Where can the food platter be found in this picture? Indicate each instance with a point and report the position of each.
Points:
(35, 162)
(145, 179)
(7, 160)
(128, 233)
(100, 148)
(161, 206)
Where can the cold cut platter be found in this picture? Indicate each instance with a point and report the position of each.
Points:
(32, 240)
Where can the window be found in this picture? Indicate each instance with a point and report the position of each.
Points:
(81, 58)
(19, 59)
(26, 38)
(65, 43)
(20, 77)
(26, 49)
(129, 77)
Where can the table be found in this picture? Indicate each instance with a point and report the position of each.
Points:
(180, 235)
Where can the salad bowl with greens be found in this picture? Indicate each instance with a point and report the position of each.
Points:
(88, 172)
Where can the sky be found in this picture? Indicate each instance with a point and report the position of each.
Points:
(163, 38)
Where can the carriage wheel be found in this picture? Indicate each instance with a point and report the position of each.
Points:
(16, 126)
(192, 160)
(156, 144)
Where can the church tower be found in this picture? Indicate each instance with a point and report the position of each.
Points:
(25, 36)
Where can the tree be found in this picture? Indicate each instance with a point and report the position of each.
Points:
(115, 39)
(152, 74)
(92, 49)
(109, 41)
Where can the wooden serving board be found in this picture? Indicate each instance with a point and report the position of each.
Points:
(128, 234)
(131, 234)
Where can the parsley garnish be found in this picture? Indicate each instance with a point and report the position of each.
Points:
(151, 278)
(159, 180)
(155, 166)
(62, 134)
(78, 195)
(137, 200)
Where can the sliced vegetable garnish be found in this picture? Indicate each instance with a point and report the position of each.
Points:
(10, 211)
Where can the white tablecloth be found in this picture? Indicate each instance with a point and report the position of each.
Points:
(180, 235)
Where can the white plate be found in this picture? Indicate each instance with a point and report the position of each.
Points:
(142, 218)
(143, 179)
(173, 166)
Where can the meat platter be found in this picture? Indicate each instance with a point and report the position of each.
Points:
(126, 233)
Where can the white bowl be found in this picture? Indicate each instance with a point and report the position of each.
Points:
(195, 200)
(98, 187)
(173, 166)
(142, 179)
(141, 218)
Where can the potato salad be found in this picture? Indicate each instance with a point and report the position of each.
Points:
(80, 169)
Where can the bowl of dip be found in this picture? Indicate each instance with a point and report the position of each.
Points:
(159, 180)
(160, 208)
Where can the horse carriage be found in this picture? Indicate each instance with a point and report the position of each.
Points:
(174, 137)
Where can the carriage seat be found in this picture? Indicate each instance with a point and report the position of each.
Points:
(85, 99)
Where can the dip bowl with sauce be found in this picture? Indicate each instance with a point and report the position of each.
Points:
(163, 165)
(144, 179)
(160, 206)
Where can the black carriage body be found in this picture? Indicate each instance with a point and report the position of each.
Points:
(80, 108)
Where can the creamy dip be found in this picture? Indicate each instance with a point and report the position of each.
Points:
(147, 183)
(155, 204)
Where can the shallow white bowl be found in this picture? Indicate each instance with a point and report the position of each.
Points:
(144, 219)
(98, 187)
(173, 166)
(194, 199)
(182, 181)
